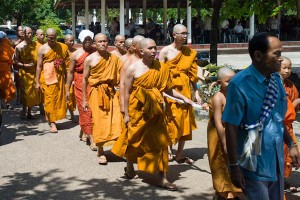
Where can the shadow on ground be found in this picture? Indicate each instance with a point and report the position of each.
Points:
(50, 185)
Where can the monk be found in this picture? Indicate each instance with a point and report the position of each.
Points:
(26, 58)
(18, 40)
(183, 69)
(75, 73)
(147, 139)
(40, 36)
(50, 77)
(216, 141)
(130, 49)
(7, 88)
(71, 102)
(120, 46)
(136, 56)
(290, 116)
(101, 71)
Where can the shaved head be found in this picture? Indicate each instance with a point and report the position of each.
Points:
(145, 42)
(119, 37)
(286, 60)
(39, 31)
(26, 29)
(51, 31)
(128, 42)
(178, 28)
(69, 37)
(99, 35)
(224, 72)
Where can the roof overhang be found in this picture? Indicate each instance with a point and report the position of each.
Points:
(96, 4)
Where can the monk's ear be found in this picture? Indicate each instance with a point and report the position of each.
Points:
(141, 51)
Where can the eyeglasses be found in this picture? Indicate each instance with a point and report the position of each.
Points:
(183, 34)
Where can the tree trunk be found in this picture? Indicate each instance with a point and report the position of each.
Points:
(214, 33)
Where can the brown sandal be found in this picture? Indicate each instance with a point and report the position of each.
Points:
(130, 174)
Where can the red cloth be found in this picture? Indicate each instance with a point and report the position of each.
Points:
(85, 118)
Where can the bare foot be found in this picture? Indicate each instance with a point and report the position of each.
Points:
(165, 184)
(53, 128)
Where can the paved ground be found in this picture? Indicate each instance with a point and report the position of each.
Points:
(35, 164)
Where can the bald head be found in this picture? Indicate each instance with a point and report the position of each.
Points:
(178, 28)
(39, 31)
(145, 42)
(100, 35)
(119, 37)
(225, 72)
(137, 39)
(27, 33)
(286, 61)
(128, 42)
(51, 31)
(69, 37)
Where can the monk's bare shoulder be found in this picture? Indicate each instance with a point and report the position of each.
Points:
(78, 53)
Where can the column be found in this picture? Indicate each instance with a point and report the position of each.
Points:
(127, 12)
(178, 10)
(73, 20)
(86, 14)
(144, 12)
(189, 21)
(165, 18)
(122, 14)
(8, 24)
(251, 27)
(103, 16)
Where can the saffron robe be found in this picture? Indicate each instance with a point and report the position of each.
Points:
(180, 117)
(29, 96)
(146, 140)
(55, 93)
(290, 117)
(218, 160)
(7, 88)
(71, 104)
(85, 117)
(104, 102)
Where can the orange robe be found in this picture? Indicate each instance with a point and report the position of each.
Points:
(180, 117)
(54, 93)
(146, 140)
(85, 117)
(217, 159)
(71, 104)
(104, 102)
(290, 116)
(7, 88)
(29, 96)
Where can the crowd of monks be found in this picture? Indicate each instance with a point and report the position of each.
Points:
(119, 94)
(122, 96)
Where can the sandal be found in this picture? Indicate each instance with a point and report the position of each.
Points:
(93, 147)
(130, 174)
(168, 186)
(186, 160)
(102, 160)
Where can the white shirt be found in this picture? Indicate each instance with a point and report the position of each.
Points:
(238, 28)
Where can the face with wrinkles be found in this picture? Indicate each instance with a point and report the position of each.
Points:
(101, 42)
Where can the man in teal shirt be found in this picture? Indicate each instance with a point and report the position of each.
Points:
(258, 171)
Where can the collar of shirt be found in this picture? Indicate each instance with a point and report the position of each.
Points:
(259, 77)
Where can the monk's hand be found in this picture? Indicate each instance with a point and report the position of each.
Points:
(237, 177)
(84, 105)
(37, 87)
(294, 153)
(205, 106)
(126, 119)
(68, 95)
(198, 98)
(188, 101)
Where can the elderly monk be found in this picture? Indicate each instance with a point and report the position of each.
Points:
(183, 69)
(101, 71)
(71, 102)
(25, 58)
(120, 46)
(50, 77)
(75, 73)
(147, 139)
(131, 59)
(40, 36)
